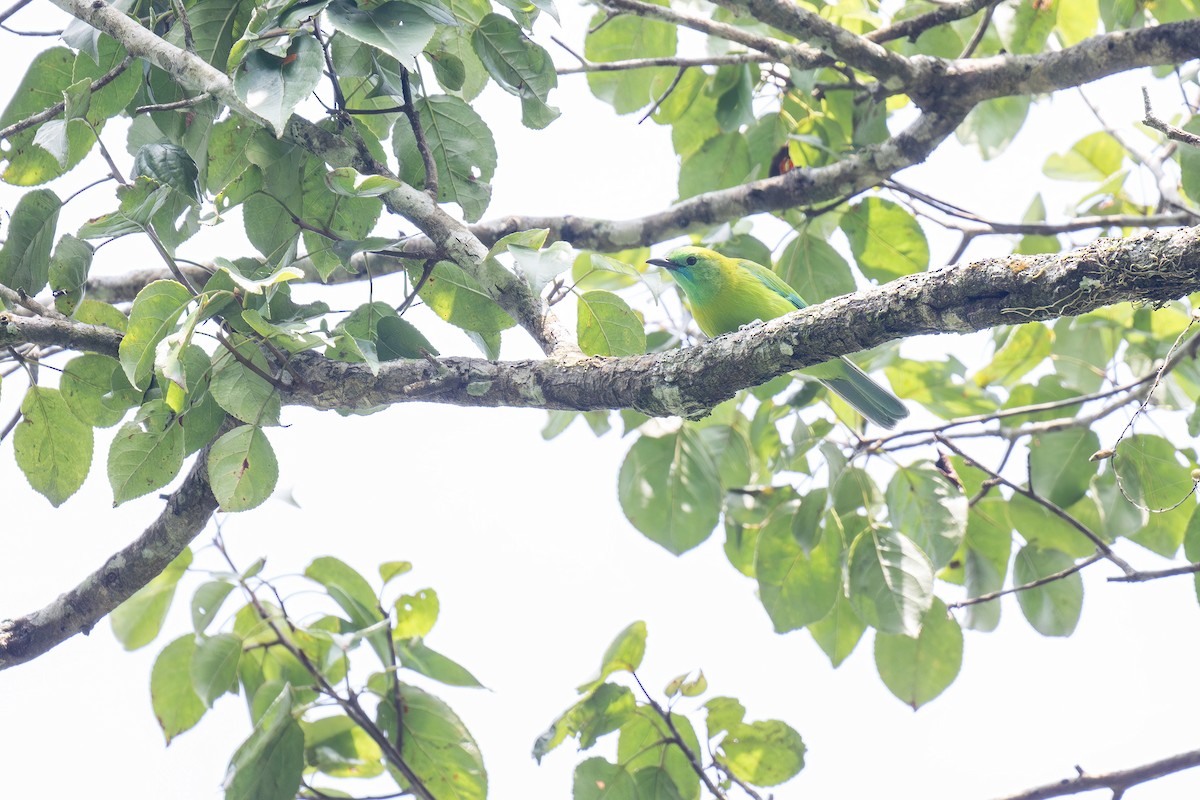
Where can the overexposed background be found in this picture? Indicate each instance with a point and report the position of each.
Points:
(537, 569)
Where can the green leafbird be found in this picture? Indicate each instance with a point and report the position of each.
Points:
(727, 293)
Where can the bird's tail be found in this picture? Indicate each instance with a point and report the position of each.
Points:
(866, 396)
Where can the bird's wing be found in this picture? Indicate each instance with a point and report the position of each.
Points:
(772, 281)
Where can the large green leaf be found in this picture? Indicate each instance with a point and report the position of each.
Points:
(146, 454)
(886, 239)
(929, 509)
(177, 707)
(814, 269)
(1023, 349)
(890, 581)
(437, 746)
(625, 37)
(1053, 608)
(242, 391)
(460, 300)
(839, 632)
(670, 489)
(25, 256)
(155, 311)
(242, 468)
(645, 743)
(399, 29)
(272, 87)
(624, 654)
(49, 74)
(519, 66)
(214, 666)
(798, 585)
(720, 163)
(599, 779)
(1060, 465)
(608, 326)
(1095, 157)
(1149, 472)
(269, 764)
(765, 753)
(52, 447)
(464, 152)
(918, 668)
(137, 621)
(341, 748)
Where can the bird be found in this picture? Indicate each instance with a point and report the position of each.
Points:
(726, 293)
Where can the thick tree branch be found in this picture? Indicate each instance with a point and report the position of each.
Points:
(64, 333)
(187, 511)
(893, 70)
(1152, 268)
(1116, 782)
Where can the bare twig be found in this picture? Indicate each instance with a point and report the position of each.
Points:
(1057, 576)
(1172, 132)
(414, 121)
(56, 109)
(677, 740)
(1116, 782)
(186, 102)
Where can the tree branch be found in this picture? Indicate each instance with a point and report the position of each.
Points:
(1116, 782)
(186, 513)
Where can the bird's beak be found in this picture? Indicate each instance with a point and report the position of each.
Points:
(661, 262)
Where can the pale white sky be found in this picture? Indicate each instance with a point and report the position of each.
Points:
(537, 569)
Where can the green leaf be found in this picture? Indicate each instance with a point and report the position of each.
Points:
(348, 182)
(602, 711)
(839, 632)
(519, 66)
(348, 588)
(152, 318)
(1076, 20)
(137, 621)
(608, 326)
(175, 702)
(644, 745)
(68, 273)
(214, 666)
(814, 269)
(918, 669)
(463, 151)
(598, 779)
(721, 162)
(763, 753)
(890, 581)
(242, 468)
(437, 746)
(140, 202)
(25, 256)
(340, 748)
(50, 73)
(924, 505)
(459, 299)
(626, 37)
(797, 585)
(992, 125)
(269, 764)
(1053, 608)
(399, 29)
(1095, 157)
(52, 447)
(1060, 469)
(1038, 525)
(272, 87)
(1023, 349)
(415, 614)
(240, 390)
(988, 547)
(89, 388)
(169, 165)
(670, 489)
(1149, 472)
(624, 654)
(414, 654)
(207, 601)
(146, 454)
(886, 240)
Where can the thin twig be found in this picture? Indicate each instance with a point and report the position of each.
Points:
(186, 102)
(1101, 546)
(662, 97)
(1116, 782)
(730, 59)
(189, 43)
(426, 271)
(1057, 576)
(1178, 134)
(677, 740)
(14, 8)
(414, 121)
(56, 109)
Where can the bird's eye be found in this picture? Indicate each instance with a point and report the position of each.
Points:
(691, 261)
